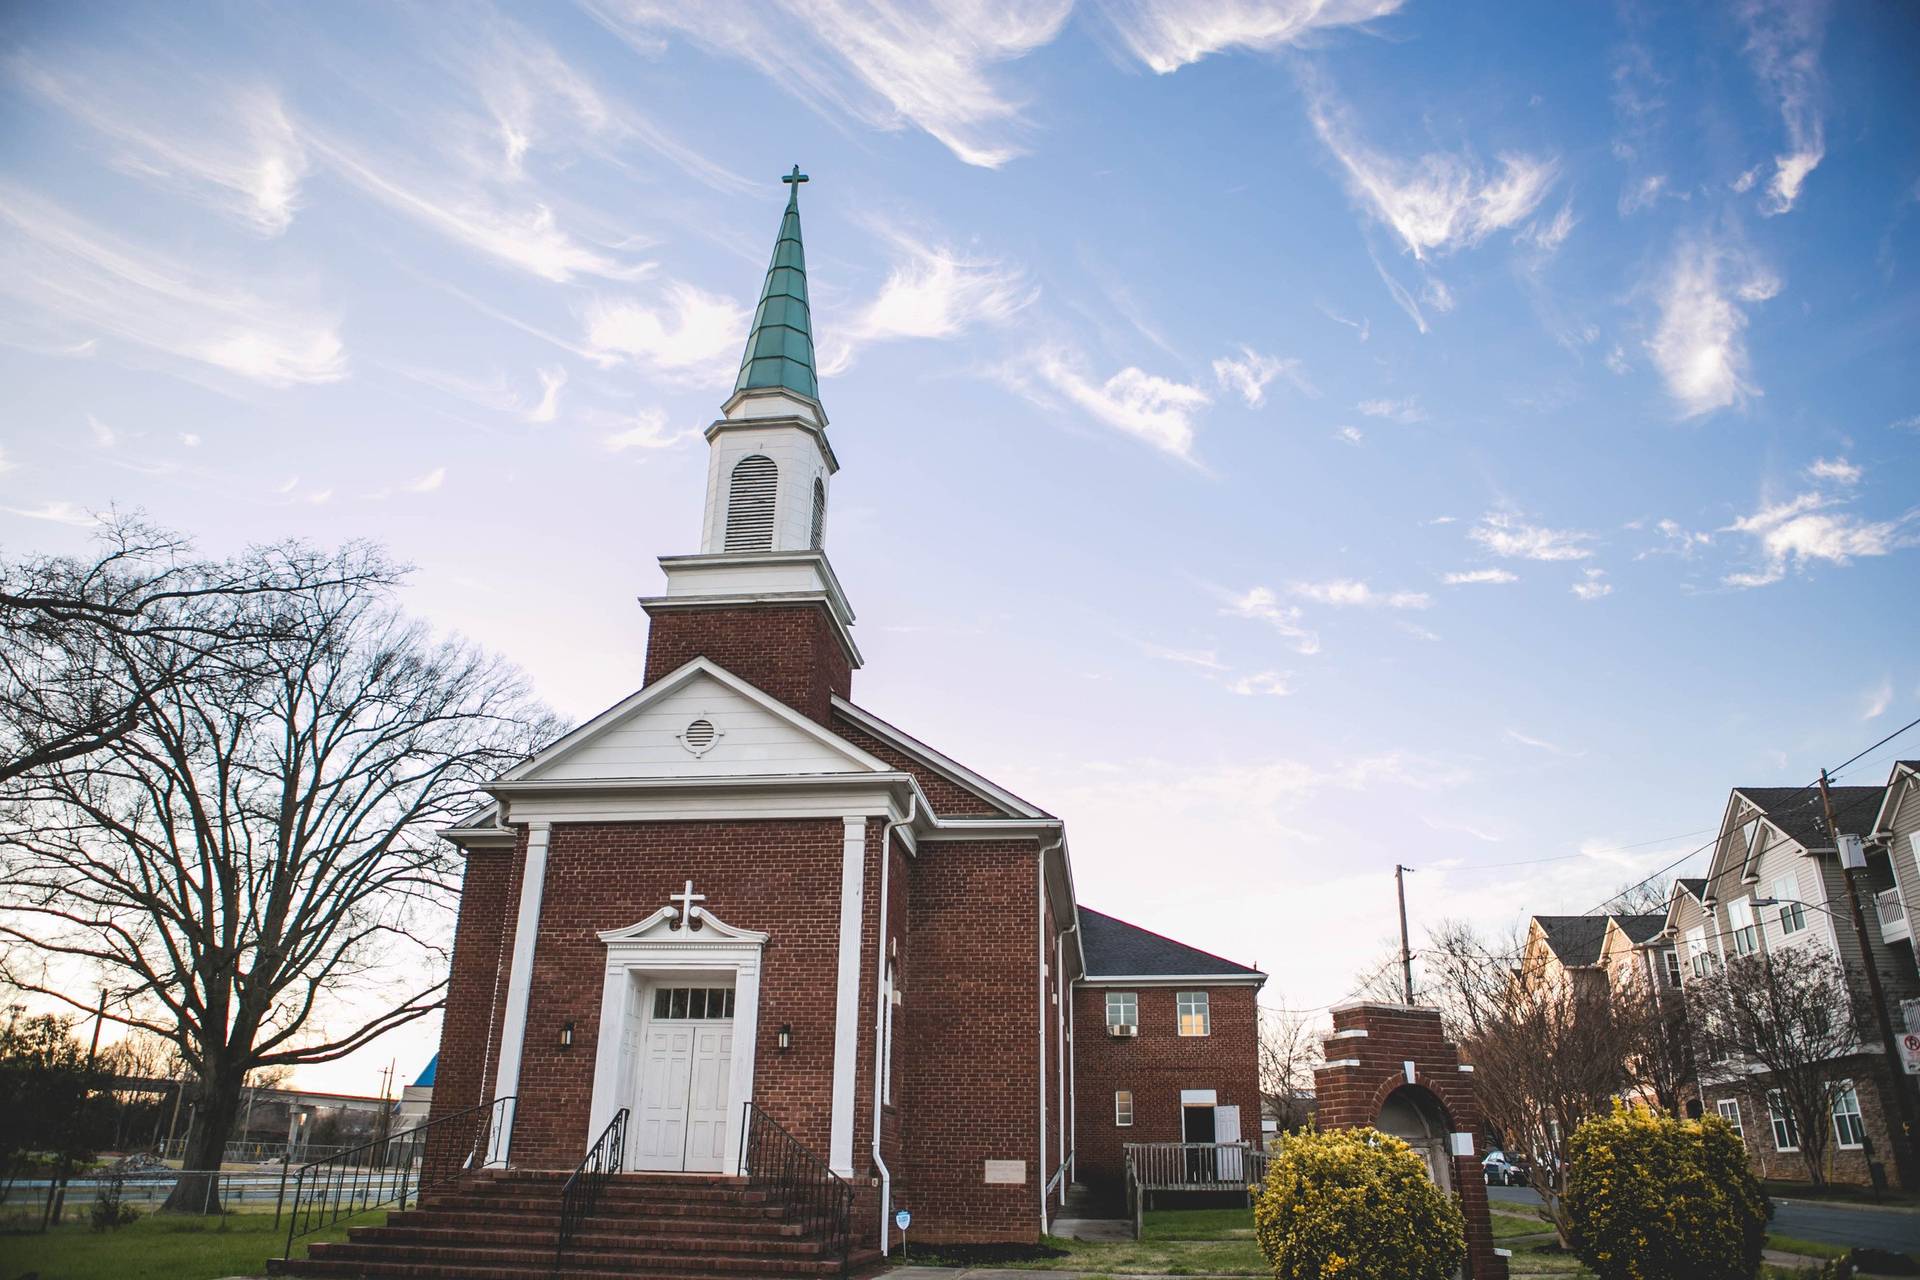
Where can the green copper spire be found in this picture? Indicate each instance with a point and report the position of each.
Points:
(780, 347)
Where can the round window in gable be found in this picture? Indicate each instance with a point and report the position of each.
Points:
(699, 736)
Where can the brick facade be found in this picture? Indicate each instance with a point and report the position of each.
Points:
(1155, 1066)
(790, 651)
(1847, 1166)
(1368, 1057)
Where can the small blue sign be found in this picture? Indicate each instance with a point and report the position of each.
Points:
(901, 1219)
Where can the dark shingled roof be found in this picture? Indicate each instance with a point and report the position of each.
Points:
(1641, 929)
(1575, 939)
(1117, 949)
(1796, 811)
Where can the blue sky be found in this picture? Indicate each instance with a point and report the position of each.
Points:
(1282, 439)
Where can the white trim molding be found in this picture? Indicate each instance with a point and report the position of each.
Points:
(513, 1032)
(657, 947)
(846, 1007)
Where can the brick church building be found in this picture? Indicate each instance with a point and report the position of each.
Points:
(739, 896)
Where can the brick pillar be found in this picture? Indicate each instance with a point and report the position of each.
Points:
(791, 651)
(1377, 1050)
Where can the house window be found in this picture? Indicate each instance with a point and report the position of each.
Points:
(1673, 966)
(1194, 1019)
(1729, 1109)
(1699, 959)
(819, 538)
(1793, 912)
(1786, 1134)
(1123, 1009)
(1847, 1128)
(1746, 939)
(750, 494)
(1123, 1107)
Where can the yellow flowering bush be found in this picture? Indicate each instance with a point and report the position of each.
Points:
(1650, 1197)
(1356, 1204)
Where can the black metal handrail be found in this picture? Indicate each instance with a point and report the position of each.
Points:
(581, 1194)
(391, 1170)
(820, 1199)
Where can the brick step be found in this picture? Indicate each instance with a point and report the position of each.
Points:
(615, 1193)
(627, 1239)
(476, 1263)
(546, 1226)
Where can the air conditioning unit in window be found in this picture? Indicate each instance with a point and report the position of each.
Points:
(1122, 1030)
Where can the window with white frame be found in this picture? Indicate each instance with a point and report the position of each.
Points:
(1123, 1107)
(1847, 1128)
(1123, 1009)
(1793, 912)
(1194, 1019)
(1673, 966)
(1746, 938)
(1729, 1109)
(1786, 1133)
(1698, 957)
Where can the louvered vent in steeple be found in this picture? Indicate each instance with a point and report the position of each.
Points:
(750, 504)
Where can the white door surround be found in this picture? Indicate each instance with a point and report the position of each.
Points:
(659, 952)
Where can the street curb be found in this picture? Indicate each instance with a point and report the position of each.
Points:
(1909, 1210)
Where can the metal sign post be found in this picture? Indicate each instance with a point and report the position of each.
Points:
(901, 1219)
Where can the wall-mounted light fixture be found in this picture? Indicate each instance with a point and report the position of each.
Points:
(786, 1036)
(566, 1035)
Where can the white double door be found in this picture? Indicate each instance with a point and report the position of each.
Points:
(683, 1066)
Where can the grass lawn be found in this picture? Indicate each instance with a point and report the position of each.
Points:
(157, 1247)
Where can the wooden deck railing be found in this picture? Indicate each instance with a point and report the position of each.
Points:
(1190, 1166)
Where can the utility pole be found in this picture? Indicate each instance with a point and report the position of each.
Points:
(1889, 1043)
(1406, 953)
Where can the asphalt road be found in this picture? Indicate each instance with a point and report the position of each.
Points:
(1841, 1224)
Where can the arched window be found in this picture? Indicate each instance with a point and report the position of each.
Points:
(750, 504)
(819, 513)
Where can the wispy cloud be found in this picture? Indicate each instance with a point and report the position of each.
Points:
(250, 165)
(1270, 684)
(6, 464)
(1838, 470)
(1350, 592)
(1349, 435)
(1548, 234)
(496, 392)
(104, 436)
(1593, 585)
(1250, 372)
(1877, 700)
(63, 265)
(932, 67)
(688, 331)
(427, 483)
(1158, 411)
(1264, 604)
(1783, 44)
(1699, 345)
(552, 381)
(1804, 529)
(1477, 577)
(1170, 34)
(1541, 744)
(646, 429)
(932, 291)
(56, 513)
(1402, 411)
(1206, 659)
(1506, 534)
(1439, 202)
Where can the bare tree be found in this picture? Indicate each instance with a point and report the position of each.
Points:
(1289, 1052)
(1641, 898)
(1651, 1018)
(1789, 1012)
(1546, 1051)
(85, 641)
(252, 862)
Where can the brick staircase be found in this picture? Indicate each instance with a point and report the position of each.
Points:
(503, 1224)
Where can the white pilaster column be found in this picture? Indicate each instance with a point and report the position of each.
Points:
(513, 1033)
(846, 1009)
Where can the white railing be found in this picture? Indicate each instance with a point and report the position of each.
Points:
(1893, 914)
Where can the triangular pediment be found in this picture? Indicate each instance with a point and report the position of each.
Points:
(700, 721)
(664, 926)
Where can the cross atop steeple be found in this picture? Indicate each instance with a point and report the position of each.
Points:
(779, 354)
(796, 178)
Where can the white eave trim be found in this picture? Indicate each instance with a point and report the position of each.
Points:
(947, 767)
(1188, 979)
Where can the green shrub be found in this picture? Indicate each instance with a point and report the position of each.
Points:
(1356, 1203)
(1650, 1197)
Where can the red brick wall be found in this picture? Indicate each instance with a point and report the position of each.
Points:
(789, 651)
(782, 877)
(1352, 1096)
(481, 954)
(1877, 1116)
(968, 1042)
(1156, 1065)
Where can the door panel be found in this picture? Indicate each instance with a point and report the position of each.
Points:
(662, 1117)
(708, 1111)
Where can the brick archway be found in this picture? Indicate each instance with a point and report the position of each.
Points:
(1377, 1051)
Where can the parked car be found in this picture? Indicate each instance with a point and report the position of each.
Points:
(1503, 1170)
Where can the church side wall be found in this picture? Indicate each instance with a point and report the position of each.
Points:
(782, 877)
(907, 969)
(969, 1053)
(1156, 1065)
(479, 942)
(949, 799)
